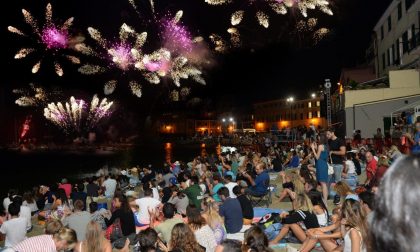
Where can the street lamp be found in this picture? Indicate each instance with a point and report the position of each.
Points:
(231, 119)
(313, 95)
(223, 120)
(290, 100)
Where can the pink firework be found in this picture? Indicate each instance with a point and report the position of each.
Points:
(176, 36)
(121, 56)
(54, 38)
(157, 65)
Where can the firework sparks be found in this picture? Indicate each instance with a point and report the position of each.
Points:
(235, 38)
(320, 34)
(34, 96)
(176, 36)
(73, 116)
(98, 111)
(54, 38)
(121, 56)
(135, 88)
(219, 43)
(278, 6)
(109, 87)
(124, 54)
(51, 37)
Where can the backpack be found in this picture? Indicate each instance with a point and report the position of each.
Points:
(270, 224)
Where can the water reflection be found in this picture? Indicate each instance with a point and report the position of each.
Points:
(168, 152)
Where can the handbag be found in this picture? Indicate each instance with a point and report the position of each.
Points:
(330, 167)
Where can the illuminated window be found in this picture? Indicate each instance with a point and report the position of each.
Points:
(310, 115)
(318, 103)
(309, 104)
(318, 114)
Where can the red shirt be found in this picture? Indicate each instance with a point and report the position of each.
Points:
(371, 168)
(67, 189)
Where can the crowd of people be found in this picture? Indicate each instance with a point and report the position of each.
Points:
(203, 205)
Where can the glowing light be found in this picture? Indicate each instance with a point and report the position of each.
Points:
(54, 38)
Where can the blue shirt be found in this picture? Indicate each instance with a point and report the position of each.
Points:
(232, 212)
(294, 162)
(416, 147)
(215, 189)
(260, 182)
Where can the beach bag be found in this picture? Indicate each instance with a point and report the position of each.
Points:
(330, 167)
(268, 220)
(114, 231)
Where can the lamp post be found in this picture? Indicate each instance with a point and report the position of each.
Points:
(290, 101)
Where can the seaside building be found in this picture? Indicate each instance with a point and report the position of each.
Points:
(286, 113)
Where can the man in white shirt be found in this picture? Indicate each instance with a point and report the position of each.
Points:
(15, 228)
(7, 201)
(230, 185)
(110, 185)
(25, 212)
(147, 204)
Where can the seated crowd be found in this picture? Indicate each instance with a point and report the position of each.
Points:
(203, 205)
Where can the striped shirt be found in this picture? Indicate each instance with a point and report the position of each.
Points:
(40, 243)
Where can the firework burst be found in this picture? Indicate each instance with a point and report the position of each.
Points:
(76, 116)
(122, 54)
(51, 38)
(310, 26)
(129, 54)
(280, 7)
(34, 96)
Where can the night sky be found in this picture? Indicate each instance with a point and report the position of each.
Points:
(273, 63)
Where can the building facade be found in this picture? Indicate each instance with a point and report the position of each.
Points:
(284, 113)
(396, 39)
(369, 109)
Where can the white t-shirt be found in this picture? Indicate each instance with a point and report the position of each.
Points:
(230, 186)
(110, 185)
(145, 204)
(155, 193)
(6, 203)
(15, 231)
(25, 212)
(350, 167)
(32, 206)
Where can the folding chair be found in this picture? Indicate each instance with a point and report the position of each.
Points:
(264, 199)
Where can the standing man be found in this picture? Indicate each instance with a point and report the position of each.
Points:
(415, 140)
(337, 149)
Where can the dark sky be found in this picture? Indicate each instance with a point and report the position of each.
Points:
(273, 63)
